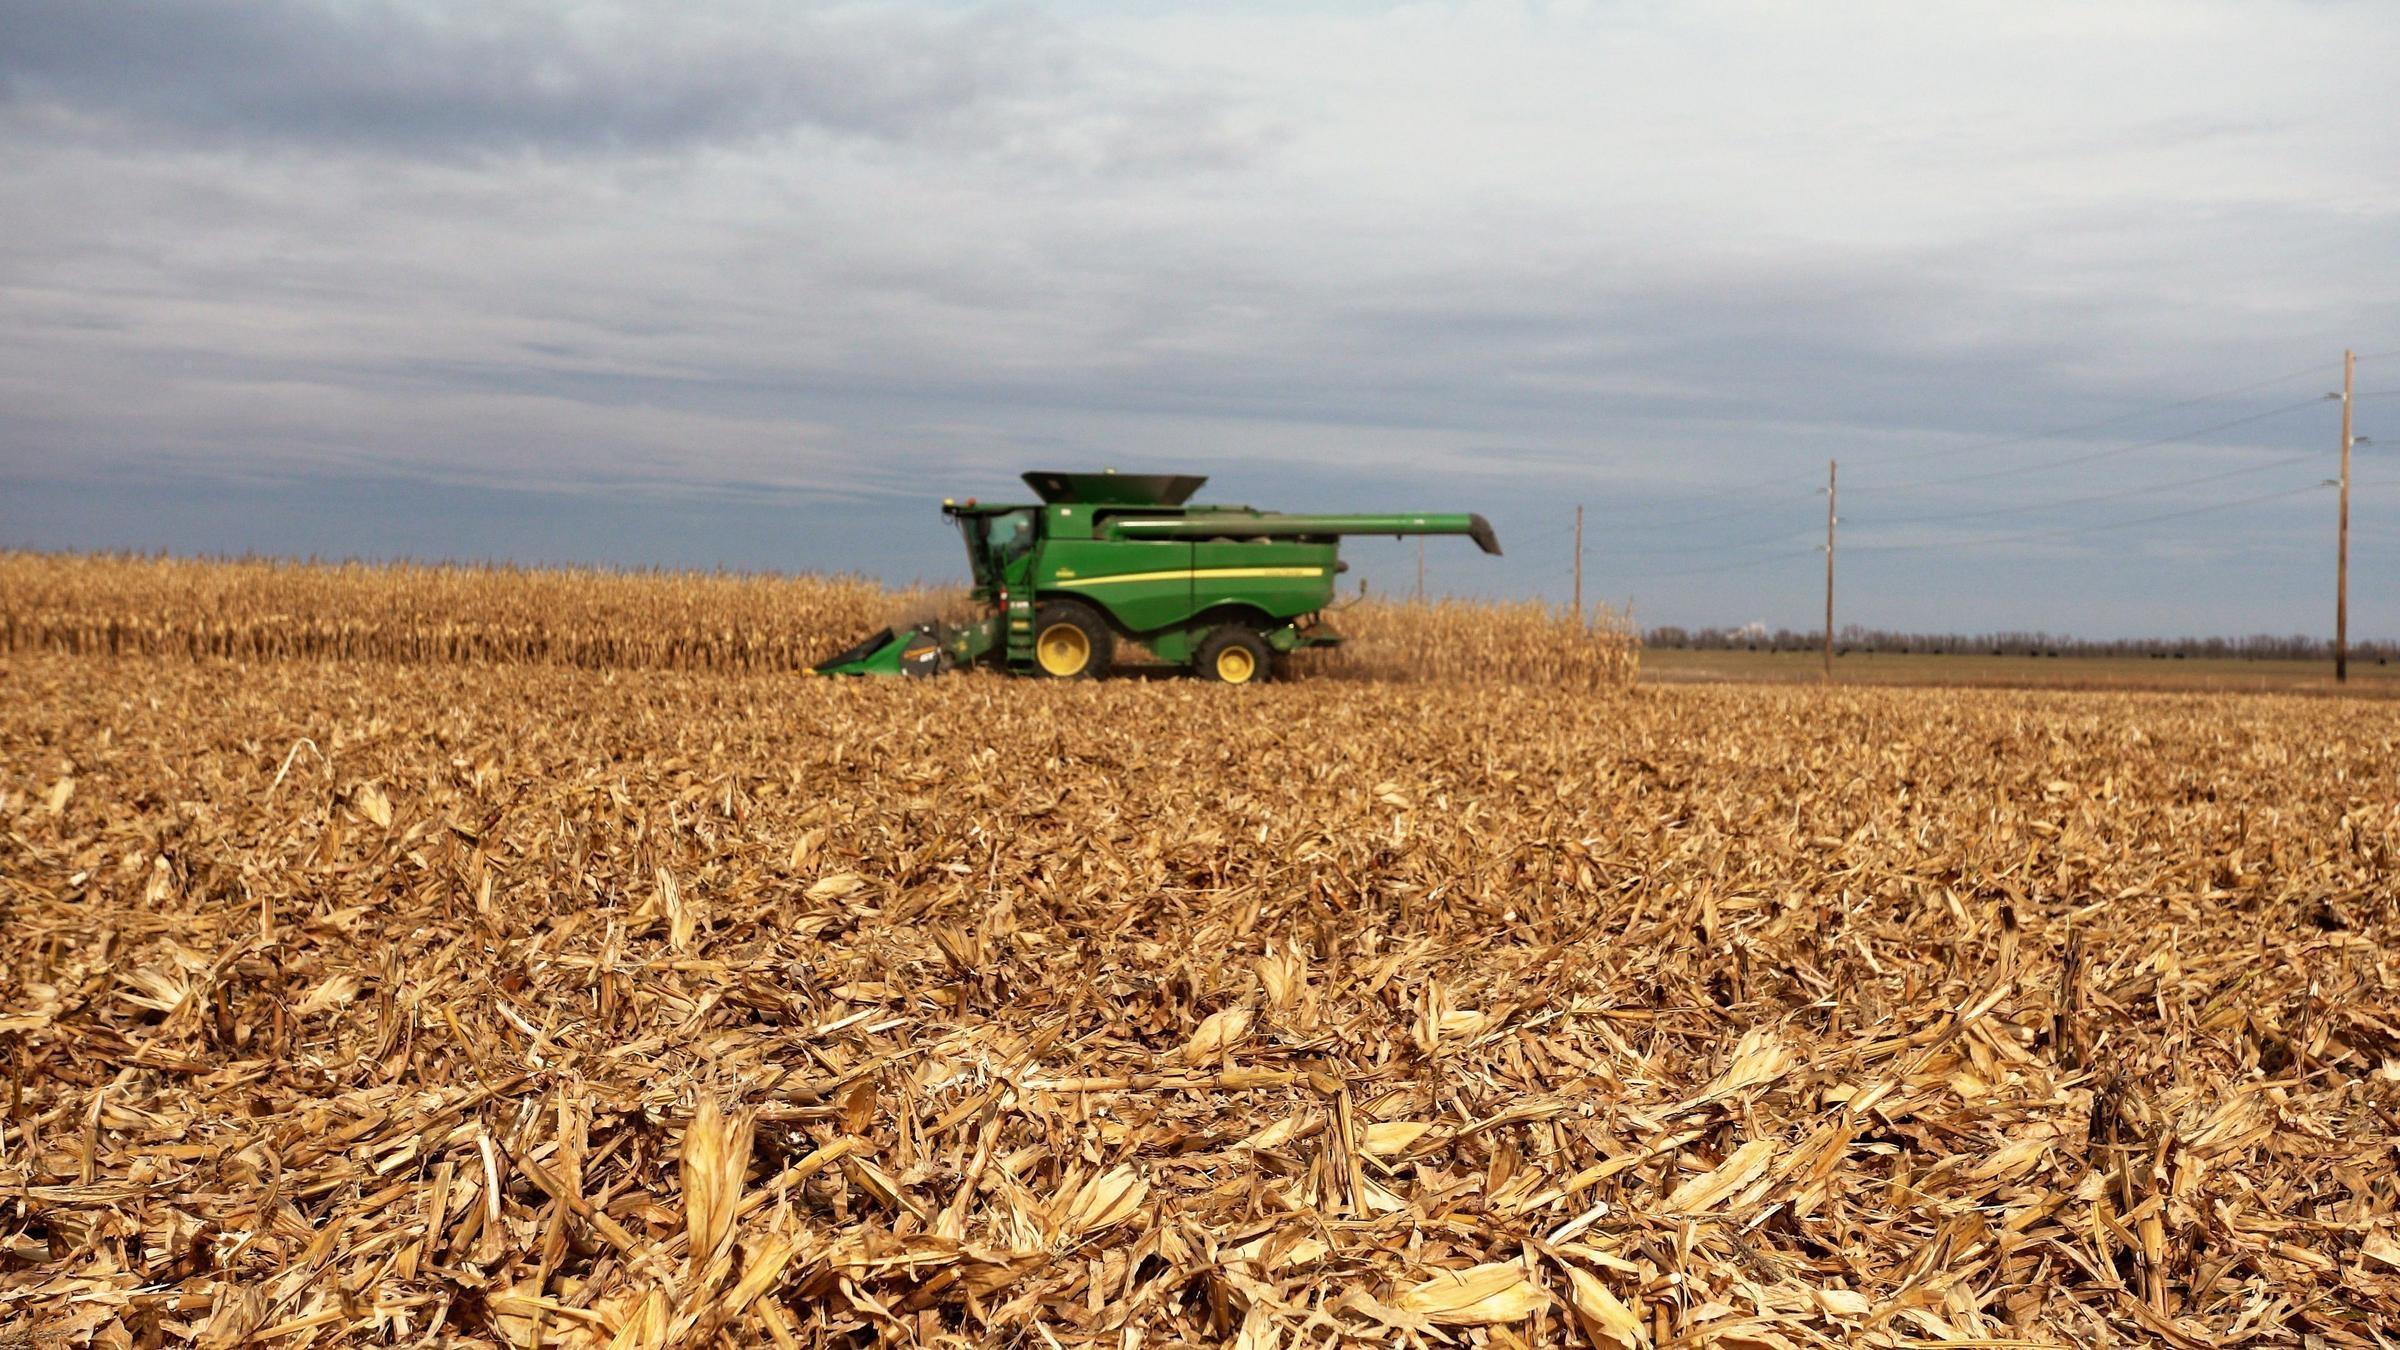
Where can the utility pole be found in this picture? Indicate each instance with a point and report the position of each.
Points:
(1420, 569)
(2341, 584)
(1579, 562)
(1831, 467)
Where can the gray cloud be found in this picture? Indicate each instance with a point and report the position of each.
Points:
(500, 76)
(376, 264)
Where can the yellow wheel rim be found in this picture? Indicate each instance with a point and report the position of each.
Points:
(1235, 665)
(1063, 650)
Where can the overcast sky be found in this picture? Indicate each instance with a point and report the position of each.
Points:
(657, 282)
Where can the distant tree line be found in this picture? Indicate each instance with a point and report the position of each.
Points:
(1854, 638)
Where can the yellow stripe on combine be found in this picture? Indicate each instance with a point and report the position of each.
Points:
(1195, 574)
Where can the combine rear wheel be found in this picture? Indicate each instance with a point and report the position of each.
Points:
(1233, 654)
(1070, 642)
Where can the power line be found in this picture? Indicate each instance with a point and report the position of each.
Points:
(1998, 473)
(1998, 510)
(1712, 518)
(1544, 537)
(2050, 433)
(2086, 501)
(2095, 455)
(2066, 531)
(2135, 415)
(1736, 566)
(1643, 550)
(1733, 514)
(2094, 528)
(2348, 397)
(1738, 513)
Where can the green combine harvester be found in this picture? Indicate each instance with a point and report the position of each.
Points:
(1108, 557)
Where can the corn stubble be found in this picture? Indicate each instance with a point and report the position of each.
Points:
(368, 1003)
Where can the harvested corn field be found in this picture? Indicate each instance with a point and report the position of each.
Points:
(372, 1003)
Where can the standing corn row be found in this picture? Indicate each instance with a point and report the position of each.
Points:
(1458, 642)
(255, 610)
(252, 610)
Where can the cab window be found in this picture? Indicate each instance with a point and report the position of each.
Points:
(1011, 535)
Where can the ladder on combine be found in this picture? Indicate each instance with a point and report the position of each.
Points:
(1020, 630)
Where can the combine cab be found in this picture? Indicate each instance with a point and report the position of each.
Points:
(1109, 557)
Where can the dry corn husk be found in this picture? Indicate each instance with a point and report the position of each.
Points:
(1760, 1058)
(1485, 1295)
(1102, 1202)
(1606, 1320)
(716, 1154)
(1725, 1183)
(1284, 975)
(2381, 1249)
(1217, 1035)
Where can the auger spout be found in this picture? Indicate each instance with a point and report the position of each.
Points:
(1206, 523)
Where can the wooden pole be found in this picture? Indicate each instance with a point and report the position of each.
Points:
(1831, 467)
(1579, 562)
(2341, 573)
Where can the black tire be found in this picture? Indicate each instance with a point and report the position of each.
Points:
(1234, 654)
(1051, 623)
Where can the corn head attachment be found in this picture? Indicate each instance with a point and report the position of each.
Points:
(909, 651)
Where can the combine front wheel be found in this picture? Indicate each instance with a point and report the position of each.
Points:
(1233, 654)
(1071, 642)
